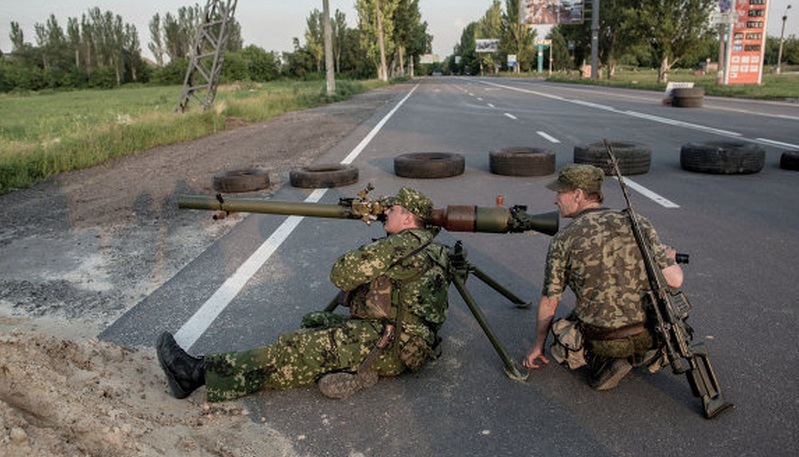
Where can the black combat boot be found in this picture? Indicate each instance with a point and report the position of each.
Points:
(184, 373)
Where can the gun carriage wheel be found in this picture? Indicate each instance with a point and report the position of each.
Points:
(522, 161)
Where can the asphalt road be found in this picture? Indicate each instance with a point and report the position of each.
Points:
(739, 230)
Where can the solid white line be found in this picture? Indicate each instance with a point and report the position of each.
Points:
(197, 324)
(358, 149)
(551, 138)
(662, 201)
(778, 143)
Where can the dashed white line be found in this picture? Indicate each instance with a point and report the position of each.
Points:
(548, 137)
(511, 116)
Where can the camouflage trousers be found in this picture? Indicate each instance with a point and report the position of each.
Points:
(298, 359)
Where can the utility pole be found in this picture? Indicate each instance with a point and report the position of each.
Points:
(594, 39)
(782, 39)
(329, 70)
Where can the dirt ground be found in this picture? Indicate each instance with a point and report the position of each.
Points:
(79, 250)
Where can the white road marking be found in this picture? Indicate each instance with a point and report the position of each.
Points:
(660, 200)
(510, 116)
(549, 138)
(194, 328)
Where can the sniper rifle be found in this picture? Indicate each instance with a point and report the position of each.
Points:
(667, 313)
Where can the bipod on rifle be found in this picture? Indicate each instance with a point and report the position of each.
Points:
(460, 272)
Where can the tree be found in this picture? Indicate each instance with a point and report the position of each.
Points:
(315, 37)
(517, 38)
(490, 27)
(410, 35)
(674, 30)
(376, 25)
(156, 45)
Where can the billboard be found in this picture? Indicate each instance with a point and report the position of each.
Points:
(748, 41)
(552, 12)
(486, 45)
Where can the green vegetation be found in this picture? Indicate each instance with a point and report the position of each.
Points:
(774, 87)
(43, 134)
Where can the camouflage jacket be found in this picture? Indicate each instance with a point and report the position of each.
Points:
(420, 281)
(596, 256)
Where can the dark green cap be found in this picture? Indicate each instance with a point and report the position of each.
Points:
(579, 176)
(414, 201)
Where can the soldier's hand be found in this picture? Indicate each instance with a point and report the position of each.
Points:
(533, 356)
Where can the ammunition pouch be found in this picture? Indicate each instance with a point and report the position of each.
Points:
(377, 302)
(568, 345)
(414, 352)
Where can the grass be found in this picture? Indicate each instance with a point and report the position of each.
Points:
(43, 134)
(774, 87)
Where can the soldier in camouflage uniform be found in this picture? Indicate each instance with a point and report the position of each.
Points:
(596, 256)
(396, 288)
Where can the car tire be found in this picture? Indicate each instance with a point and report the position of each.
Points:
(722, 157)
(633, 158)
(522, 161)
(429, 165)
(789, 160)
(241, 180)
(688, 97)
(323, 175)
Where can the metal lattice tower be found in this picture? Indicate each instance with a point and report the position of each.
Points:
(208, 54)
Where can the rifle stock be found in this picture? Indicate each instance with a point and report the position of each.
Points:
(668, 313)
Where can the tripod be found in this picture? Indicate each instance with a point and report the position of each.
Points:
(460, 273)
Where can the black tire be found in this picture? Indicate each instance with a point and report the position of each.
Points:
(684, 97)
(241, 180)
(323, 175)
(633, 158)
(429, 165)
(789, 160)
(722, 157)
(522, 161)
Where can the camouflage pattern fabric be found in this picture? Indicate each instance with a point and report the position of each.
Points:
(333, 343)
(597, 257)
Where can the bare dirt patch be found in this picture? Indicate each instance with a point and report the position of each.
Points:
(79, 250)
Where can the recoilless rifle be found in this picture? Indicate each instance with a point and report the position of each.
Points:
(668, 312)
(453, 218)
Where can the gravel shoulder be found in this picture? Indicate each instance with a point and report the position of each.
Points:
(79, 250)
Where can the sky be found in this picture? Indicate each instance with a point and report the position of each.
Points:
(272, 24)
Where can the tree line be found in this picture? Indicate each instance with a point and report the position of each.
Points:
(663, 35)
(101, 50)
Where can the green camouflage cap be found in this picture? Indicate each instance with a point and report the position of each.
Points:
(414, 201)
(579, 176)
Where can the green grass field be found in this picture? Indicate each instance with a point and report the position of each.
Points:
(48, 133)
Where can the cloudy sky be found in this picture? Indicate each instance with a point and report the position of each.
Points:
(271, 24)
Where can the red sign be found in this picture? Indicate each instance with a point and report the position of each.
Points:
(748, 42)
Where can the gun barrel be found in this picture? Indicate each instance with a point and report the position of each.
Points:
(453, 218)
(257, 205)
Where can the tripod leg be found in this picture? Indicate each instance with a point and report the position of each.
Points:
(500, 288)
(510, 367)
